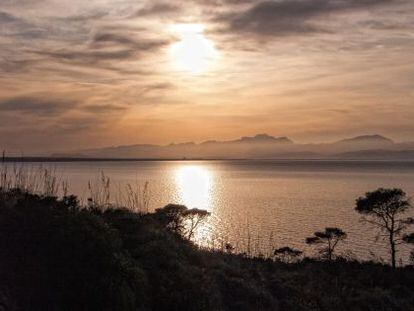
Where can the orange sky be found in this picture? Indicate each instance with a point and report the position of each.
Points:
(76, 74)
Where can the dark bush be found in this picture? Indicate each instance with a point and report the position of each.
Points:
(57, 257)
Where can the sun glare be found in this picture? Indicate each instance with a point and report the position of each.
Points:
(193, 53)
(194, 186)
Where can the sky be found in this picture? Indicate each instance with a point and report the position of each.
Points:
(84, 74)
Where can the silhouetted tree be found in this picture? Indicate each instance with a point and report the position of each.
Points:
(229, 248)
(287, 254)
(171, 216)
(383, 208)
(329, 239)
(181, 220)
(193, 218)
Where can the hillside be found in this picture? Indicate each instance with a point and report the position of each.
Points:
(57, 255)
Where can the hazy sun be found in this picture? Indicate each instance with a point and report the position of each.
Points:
(194, 53)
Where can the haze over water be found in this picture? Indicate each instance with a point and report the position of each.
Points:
(258, 205)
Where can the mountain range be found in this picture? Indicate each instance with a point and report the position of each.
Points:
(261, 146)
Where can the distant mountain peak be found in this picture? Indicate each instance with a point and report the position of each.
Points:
(265, 138)
(375, 138)
(261, 146)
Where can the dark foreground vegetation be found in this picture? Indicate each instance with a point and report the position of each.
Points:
(57, 255)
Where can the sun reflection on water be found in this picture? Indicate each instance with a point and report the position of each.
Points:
(194, 185)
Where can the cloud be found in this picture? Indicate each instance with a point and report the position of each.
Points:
(224, 2)
(157, 9)
(104, 108)
(158, 87)
(36, 106)
(13, 26)
(104, 47)
(11, 22)
(19, 2)
(289, 17)
(63, 129)
(340, 111)
(6, 18)
(84, 57)
(84, 17)
(15, 66)
(103, 39)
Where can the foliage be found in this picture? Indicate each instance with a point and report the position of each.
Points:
(194, 218)
(171, 216)
(287, 254)
(383, 208)
(58, 255)
(181, 220)
(229, 248)
(329, 239)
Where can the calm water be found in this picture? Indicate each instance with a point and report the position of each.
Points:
(258, 205)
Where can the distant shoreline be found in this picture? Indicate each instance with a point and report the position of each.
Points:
(41, 159)
(69, 159)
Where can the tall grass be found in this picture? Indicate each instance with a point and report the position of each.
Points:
(134, 197)
(138, 198)
(45, 181)
(39, 180)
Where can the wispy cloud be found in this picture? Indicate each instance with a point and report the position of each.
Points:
(158, 9)
(105, 108)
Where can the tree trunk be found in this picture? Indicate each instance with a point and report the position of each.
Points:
(392, 244)
(329, 251)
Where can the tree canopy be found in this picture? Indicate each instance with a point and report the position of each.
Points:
(383, 208)
(181, 220)
(329, 238)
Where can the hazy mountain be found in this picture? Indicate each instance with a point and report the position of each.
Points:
(262, 146)
(366, 142)
(378, 155)
(367, 139)
(256, 146)
(264, 138)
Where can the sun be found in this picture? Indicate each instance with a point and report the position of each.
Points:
(193, 53)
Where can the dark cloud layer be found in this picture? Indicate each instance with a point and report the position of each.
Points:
(36, 106)
(286, 17)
